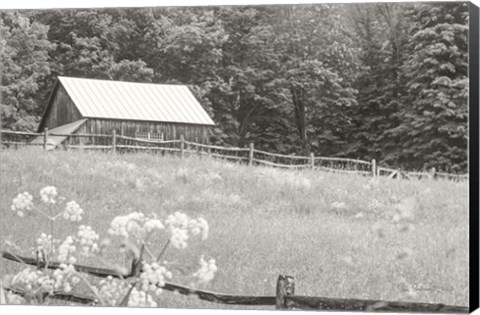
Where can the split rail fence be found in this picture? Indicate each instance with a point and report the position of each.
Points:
(284, 299)
(251, 156)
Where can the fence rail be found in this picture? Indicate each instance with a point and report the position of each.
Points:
(251, 156)
(284, 298)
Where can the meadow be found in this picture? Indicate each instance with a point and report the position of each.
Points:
(338, 235)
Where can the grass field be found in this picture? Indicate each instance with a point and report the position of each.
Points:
(334, 233)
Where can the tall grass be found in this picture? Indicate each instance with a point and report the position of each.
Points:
(333, 233)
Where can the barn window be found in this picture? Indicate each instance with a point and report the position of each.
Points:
(149, 135)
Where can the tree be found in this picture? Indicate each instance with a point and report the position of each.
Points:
(315, 66)
(381, 32)
(24, 61)
(435, 133)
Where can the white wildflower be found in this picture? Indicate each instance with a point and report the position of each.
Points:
(72, 211)
(202, 225)
(206, 272)
(48, 194)
(153, 277)
(21, 203)
(63, 275)
(141, 299)
(180, 225)
(112, 290)
(87, 239)
(178, 237)
(127, 225)
(152, 225)
(66, 250)
(44, 244)
(27, 279)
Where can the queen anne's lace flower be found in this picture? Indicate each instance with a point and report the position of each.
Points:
(201, 225)
(112, 290)
(72, 211)
(179, 225)
(87, 238)
(63, 276)
(153, 276)
(48, 194)
(206, 272)
(23, 202)
(65, 251)
(135, 224)
(27, 279)
(44, 244)
(141, 299)
(178, 237)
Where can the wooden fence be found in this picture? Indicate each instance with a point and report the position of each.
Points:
(285, 297)
(251, 156)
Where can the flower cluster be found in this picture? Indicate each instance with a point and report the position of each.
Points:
(141, 299)
(65, 251)
(28, 279)
(87, 239)
(179, 224)
(72, 211)
(153, 277)
(112, 290)
(62, 276)
(48, 194)
(206, 272)
(21, 203)
(35, 281)
(135, 224)
(44, 244)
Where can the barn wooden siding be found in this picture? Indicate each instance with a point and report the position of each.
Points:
(170, 131)
(61, 111)
(168, 110)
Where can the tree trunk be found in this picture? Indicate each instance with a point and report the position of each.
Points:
(300, 118)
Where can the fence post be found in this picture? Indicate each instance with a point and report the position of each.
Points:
(312, 160)
(285, 286)
(250, 154)
(45, 137)
(374, 168)
(114, 141)
(182, 146)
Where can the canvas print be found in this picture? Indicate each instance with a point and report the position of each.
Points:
(293, 156)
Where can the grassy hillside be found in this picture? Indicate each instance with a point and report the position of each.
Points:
(336, 234)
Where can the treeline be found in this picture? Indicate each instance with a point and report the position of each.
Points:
(385, 81)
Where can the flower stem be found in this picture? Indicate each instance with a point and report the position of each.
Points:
(163, 250)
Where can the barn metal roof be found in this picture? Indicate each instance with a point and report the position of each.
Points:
(135, 101)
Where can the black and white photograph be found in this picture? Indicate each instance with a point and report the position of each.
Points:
(316, 156)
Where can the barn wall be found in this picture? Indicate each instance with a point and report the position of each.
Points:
(62, 110)
(171, 131)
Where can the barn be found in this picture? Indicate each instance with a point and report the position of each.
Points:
(138, 110)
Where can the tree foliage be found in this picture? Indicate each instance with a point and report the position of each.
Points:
(383, 81)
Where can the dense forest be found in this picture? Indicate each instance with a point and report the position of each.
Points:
(386, 81)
